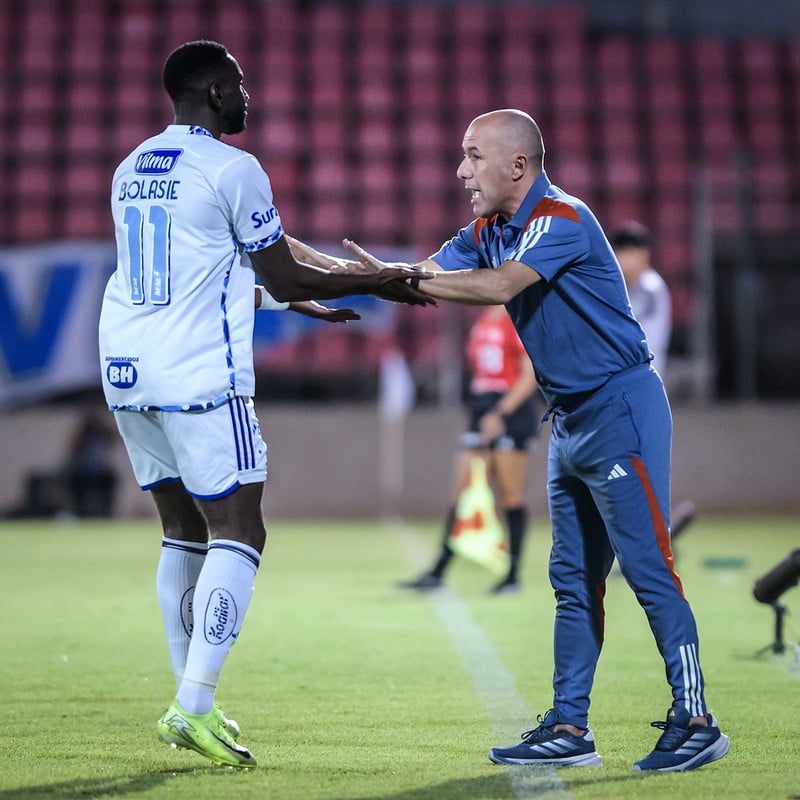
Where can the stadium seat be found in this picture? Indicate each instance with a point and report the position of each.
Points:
(377, 178)
(283, 135)
(328, 176)
(35, 138)
(86, 179)
(424, 24)
(379, 220)
(564, 19)
(85, 137)
(670, 170)
(620, 134)
(376, 137)
(425, 136)
(326, 220)
(376, 21)
(574, 174)
(32, 179)
(669, 135)
(327, 23)
(328, 133)
(472, 22)
(81, 221)
(31, 223)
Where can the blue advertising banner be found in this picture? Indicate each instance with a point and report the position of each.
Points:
(50, 297)
(49, 309)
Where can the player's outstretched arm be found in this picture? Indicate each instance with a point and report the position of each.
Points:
(288, 280)
(308, 308)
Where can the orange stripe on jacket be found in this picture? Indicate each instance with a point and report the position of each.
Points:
(479, 225)
(662, 534)
(547, 207)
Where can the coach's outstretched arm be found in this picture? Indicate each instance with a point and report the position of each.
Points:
(479, 287)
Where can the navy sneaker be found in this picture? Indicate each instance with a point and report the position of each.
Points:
(683, 746)
(543, 745)
(506, 586)
(424, 583)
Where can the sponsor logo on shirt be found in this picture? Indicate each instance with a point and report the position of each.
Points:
(121, 373)
(263, 217)
(156, 162)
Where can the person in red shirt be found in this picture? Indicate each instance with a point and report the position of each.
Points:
(503, 421)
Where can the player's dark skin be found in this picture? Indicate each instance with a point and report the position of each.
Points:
(221, 108)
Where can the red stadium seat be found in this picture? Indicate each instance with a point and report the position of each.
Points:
(81, 221)
(328, 177)
(328, 23)
(86, 137)
(32, 179)
(87, 180)
(472, 21)
(573, 174)
(377, 136)
(564, 19)
(35, 138)
(32, 223)
(425, 23)
(326, 220)
(377, 21)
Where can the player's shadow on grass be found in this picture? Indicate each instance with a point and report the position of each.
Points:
(88, 788)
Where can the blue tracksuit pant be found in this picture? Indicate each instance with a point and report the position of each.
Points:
(609, 495)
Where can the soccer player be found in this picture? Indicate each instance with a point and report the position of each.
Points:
(542, 253)
(502, 421)
(176, 355)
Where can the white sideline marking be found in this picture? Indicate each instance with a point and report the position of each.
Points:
(493, 683)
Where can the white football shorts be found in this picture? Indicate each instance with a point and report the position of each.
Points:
(213, 452)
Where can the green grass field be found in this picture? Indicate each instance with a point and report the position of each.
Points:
(347, 688)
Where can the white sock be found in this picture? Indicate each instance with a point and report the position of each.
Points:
(221, 598)
(178, 570)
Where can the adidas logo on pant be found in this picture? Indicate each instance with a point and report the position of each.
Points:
(616, 472)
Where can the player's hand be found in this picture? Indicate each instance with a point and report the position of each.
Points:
(315, 310)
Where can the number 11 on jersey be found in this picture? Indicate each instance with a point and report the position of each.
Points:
(152, 240)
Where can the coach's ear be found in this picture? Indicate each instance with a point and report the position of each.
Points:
(519, 166)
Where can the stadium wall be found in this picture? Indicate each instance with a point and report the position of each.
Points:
(327, 461)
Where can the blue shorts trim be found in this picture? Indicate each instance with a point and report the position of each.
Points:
(218, 495)
(148, 486)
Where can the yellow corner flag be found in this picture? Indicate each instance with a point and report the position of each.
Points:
(477, 533)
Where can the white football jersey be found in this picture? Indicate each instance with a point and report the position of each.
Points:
(176, 327)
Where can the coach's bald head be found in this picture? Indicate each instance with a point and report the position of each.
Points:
(503, 156)
(517, 130)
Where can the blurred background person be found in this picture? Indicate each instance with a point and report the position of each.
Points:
(649, 294)
(503, 420)
(89, 470)
(652, 306)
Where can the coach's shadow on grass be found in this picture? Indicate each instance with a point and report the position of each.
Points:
(88, 788)
(526, 782)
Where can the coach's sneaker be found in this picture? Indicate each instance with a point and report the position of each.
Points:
(205, 734)
(683, 746)
(543, 745)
